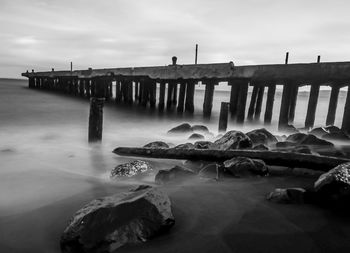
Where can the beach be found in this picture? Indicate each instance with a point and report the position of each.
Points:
(48, 171)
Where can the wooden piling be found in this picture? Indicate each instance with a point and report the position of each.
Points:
(189, 102)
(332, 108)
(285, 104)
(242, 100)
(153, 92)
(252, 102)
(81, 87)
(312, 105)
(130, 92)
(181, 102)
(170, 95)
(161, 96)
(269, 104)
(88, 88)
(136, 90)
(259, 101)
(293, 102)
(31, 82)
(223, 116)
(175, 94)
(233, 98)
(118, 92)
(346, 117)
(208, 98)
(141, 91)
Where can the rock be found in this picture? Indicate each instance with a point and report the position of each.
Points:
(296, 138)
(211, 171)
(312, 140)
(243, 166)
(200, 129)
(287, 196)
(302, 149)
(285, 144)
(335, 184)
(174, 175)
(195, 165)
(336, 136)
(233, 140)
(196, 136)
(261, 136)
(185, 146)
(333, 129)
(130, 169)
(181, 129)
(260, 147)
(108, 223)
(318, 131)
(203, 144)
(156, 144)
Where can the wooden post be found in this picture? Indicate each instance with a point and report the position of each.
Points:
(223, 116)
(189, 103)
(96, 112)
(81, 87)
(285, 104)
(145, 93)
(252, 102)
(242, 100)
(141, 91)
(293, 102)
(118, 92)
(332, 108)
(259, 103)
(233, 98)
(346, 117)
(208, 98)
(130, 92)
(136, 90)
(153, 92)
(161, 96)
(312, 105)
(287, 58)
(175, 94)
(196, 57)
(269, 104)
(31, 82)
(170, 95)
(181, 103)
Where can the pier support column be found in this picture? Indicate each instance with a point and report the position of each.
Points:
(223, 117)
(233, 98)
(269, 104)
(130, 92)
(175, 94)
(208, 98)
(161, 96)
(118, 92)
(242, 100)
(88, 88)
(259, 101)
(141, 91)
(189, 102)
(81, 87)
(153, 93)
(312, 105)
(136, 90)
(346, 117)
(332, 108)
(182, 92)
(293, 103)
(285, 104)
(31, 82)
(170, 95)
(252, 103)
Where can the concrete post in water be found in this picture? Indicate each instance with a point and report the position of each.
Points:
(223, 116)
(189, 102)
(118, 91)
(182, 92)
(208, 98)
(242, 100)
(161, 96)
(233, 97)
(141, 91)
(136, 90)
(269, 104)
(88, 88)
(293, 102)
(285, 104)
(312, 105)
(346, 117)
(96, 112)
(252, 102)
(175, 94)
(332, 108)
(259, 103)
(153, 91)
(31, 82)
(130, 92)
(81, 87)
(170, 95)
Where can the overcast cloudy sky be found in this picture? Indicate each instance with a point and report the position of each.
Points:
(42, 34)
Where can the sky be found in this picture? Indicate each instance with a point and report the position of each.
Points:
(45, 34)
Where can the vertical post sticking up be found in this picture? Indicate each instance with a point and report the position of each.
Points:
(180, 105)
(287, 58)
(252, 102)
(96, 112)
(223, 116)
(284, 111)
(190, 89)
(161, 96)
(312, 105)
(242, 100)
(118, 94)
(332, 108)
(175, 94)
(346, 117)
(31, 82)
(233, 98)
(318, 58)
(293, 102)
(71, 66)
(152, 91)
(269, 104)
(259, 103)
(208, 98)
(196, 57)
(170, 95)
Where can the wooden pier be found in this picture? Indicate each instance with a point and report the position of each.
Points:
(177, 84)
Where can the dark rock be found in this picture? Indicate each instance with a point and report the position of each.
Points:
(302, 149)
(260, 147)
(285, 145)
(195, 165)
(130, 169)
(336, 136)
(262, 136)
(296, 138)
(156, 144)
(333, 129)
(196, 136)
(243, 166)
(290, 129)
(174, 175)
(200, 129)
(312, 140)
(334, 185)
(211, 171)
(203, 144)
(318, 131)
(181, 129)
(108, 223)
(287, 196)
(233, 140)
(185, 146)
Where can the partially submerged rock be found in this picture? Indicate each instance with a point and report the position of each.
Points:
(200, 129)
(174, 175)
(130, 169)
(203, 144)
(260, 147)
(296, 138)
(156, 144)
(196, 136)
(312, 140)
(233, 140)
(318, 131)
(262, 136)
(108, 223)
(243, 166)
(185, 146)
(336, 136)
(287, 196)
(181, 129)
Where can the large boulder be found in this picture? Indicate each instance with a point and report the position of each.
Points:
(243, 166)
(185, 146)
(233, 140)
(260, 147)
(196, 136)
(200, 129)
(176, 174)
(296, 138)
(203, 145)
(318, 131)
(262, 136)
(131, 169)
(312, 140)
(108, 223)
(336, 136)
(181, 129)
(156, 144)
(287, 196)
(333, 129)
(335, 184)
